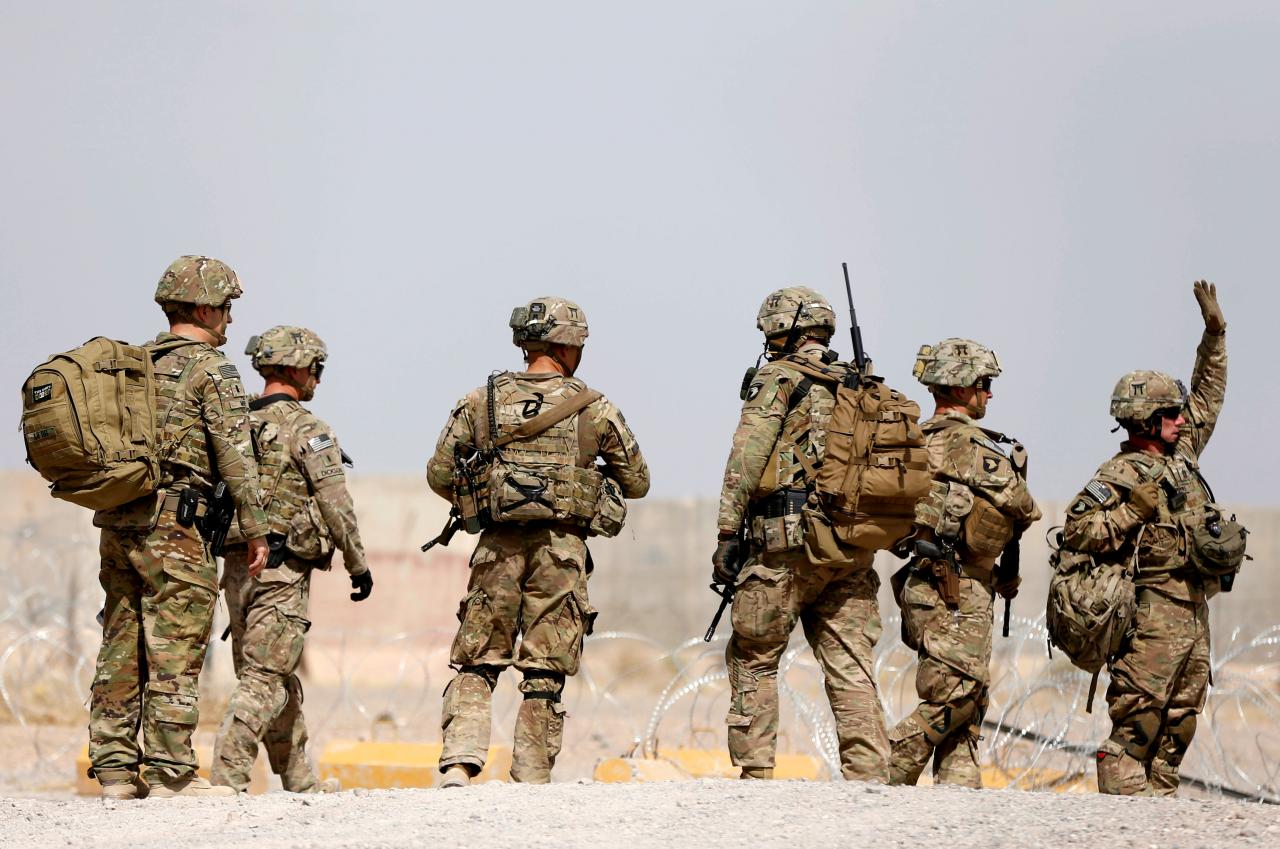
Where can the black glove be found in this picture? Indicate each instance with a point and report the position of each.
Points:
(362, 584)
(725, 560)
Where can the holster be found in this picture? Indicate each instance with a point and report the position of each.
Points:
(946, 581)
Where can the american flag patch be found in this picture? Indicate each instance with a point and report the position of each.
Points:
(228, 371)
(319, 443)
(1098, 491)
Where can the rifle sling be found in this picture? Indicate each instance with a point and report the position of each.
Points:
(555, 415)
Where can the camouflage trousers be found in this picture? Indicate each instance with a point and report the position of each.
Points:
(952, 675)
(161, 587)
(268, 626)
(527, 583)
(1158, 687)
(838, 609)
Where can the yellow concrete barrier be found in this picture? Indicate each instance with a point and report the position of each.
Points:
(677, 764)
(384, 765)
(86, 786)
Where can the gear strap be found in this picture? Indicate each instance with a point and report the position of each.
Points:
(555, 415)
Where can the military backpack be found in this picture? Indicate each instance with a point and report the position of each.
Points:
(874, 469)
(1090, 608)
(88, 420)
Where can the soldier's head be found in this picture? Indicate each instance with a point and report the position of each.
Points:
(792, 315)
(197, 291)
(289, 357)
(1149, 406)
(958, 373)
(552, 327)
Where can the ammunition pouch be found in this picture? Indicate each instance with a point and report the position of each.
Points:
(986, 531)
(611, 510)
(1217, 545)
(1158, 547)
(776, 520)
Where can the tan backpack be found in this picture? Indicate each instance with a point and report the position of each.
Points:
(88, 419)
(875, 465)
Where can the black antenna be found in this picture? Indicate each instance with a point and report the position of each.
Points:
(855, 332)
(792, 334)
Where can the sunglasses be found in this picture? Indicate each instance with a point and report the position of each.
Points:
(983, 384)
(317, 368)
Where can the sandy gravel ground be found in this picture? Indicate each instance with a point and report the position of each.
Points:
(711, 813)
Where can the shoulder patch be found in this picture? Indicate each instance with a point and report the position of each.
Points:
(1098, 491)
(990, 465)
(320, 443)
(754, 391)
(228, 371)
(1080, 507)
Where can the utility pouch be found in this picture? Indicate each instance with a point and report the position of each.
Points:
(986, 530)
(1218, 545)
(188, 504)
(1157, 547)
(610, 512)
(308, 537)
(520, 494)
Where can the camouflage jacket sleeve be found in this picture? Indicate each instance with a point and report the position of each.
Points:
(759, 426)
(619, 449)
(224, 410)
(1099, 519)
(1208, 389)
(319, 456)
(457, 430)
(972, 459)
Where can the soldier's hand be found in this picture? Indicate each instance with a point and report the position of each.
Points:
(1008, 587)
(1143, 499)
(259, 551)
(725, 560)
(362, 584)
(1207, 297)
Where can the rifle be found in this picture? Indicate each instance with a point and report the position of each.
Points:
(451, 526)
(727, 590)
(855, 332)
(1011, 557)
(217, 519)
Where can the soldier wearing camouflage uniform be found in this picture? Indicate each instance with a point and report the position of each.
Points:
(781, 430)
(160, 578)
(1143, 505)
(529, 577)
(978, 502)
(309, 515)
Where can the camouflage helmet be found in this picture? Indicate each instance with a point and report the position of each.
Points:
(286, 346)
(548, 320)
(197, 280)
(955, 362)
(795, 305)
(1141, 394)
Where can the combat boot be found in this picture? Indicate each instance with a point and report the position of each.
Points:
(193, 786)
(122, 785)
(1119, 773)
(758, 772)
(455, 776)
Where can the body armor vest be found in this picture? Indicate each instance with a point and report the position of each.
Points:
(179, 426)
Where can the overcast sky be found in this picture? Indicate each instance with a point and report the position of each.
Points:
(1047, 180)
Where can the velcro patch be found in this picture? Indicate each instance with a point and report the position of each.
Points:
(1098, 491)
(320, 443)
(42, 433)
(754, 391)
(989, 443)
(990, 465)
(1080, 507)
(41, 393)
(228, 371)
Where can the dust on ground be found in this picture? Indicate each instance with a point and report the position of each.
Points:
(704, 814)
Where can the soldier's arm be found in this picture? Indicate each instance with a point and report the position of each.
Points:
(440, 466)
(224, 409)
(1208, 389)
(1099, 520)
(759, 426)
(972, 460)
(317, 453)
(620, 450)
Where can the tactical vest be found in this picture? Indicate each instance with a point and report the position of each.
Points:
(546, 476)
(284, 488)
(1163, 543)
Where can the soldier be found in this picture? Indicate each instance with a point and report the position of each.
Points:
(782, 430)
(160, 578)
(978, 503)
(530, 567)
(1146, 504)
(309, 515)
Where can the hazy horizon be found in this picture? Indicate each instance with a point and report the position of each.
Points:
(397, 177)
